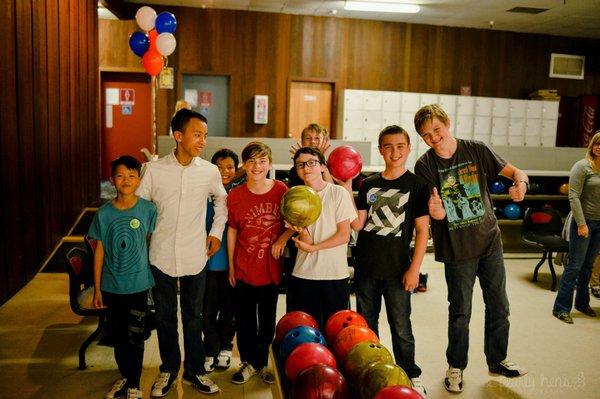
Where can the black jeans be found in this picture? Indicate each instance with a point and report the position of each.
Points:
(460, 278)
(369, 291)
(191, 297)
(126, 321)
(318, 298)
(255, 310)
(219, 327)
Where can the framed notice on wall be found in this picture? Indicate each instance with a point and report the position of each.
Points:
(261, 109)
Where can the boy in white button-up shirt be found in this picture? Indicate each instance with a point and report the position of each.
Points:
(180, 184)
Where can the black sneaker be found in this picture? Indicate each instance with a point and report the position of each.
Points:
(454, 379)
(508, 369)
(563, 316)
(162, 385)
(595, 291)
(201, 382)
(586, 310)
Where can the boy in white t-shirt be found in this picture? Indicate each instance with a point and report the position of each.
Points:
(319, 281)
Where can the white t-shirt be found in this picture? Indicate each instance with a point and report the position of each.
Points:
(331, 263)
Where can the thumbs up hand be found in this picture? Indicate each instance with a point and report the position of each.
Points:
(436, 207)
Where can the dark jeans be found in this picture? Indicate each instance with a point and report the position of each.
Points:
(318, 298)
(397, 304)
(126, 321)
(218, 313)
(582, 253)
(255, 310)
(191, 297)
(460, 278)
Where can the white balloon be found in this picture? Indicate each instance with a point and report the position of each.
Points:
(145, 17)
(165, 44)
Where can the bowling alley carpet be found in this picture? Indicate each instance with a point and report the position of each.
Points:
(40, 337)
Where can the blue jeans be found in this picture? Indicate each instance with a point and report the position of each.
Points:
(191, 297)
(460, 278)
(397, 304)
(582, 253)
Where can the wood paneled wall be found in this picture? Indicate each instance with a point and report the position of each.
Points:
(262, 51)
(49, 120)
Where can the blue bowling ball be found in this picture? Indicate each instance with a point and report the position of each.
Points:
(497, 187)
(512, 211)
(299, 335)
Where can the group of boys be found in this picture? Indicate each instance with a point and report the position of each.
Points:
(170, 200)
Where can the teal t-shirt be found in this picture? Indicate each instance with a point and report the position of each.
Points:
(123, 233)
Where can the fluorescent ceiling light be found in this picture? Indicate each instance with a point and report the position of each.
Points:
(381, 7)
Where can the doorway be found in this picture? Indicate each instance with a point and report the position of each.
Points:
(310, 102)
(126, 117)
(209, 95)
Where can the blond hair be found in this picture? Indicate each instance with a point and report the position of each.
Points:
(314, 127)
(427, 113)
(181, 104)
(589, 154)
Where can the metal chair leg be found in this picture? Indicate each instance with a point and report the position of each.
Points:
(553, 288)
(88, 341)
(537, 267)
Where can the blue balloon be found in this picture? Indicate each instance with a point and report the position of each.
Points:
(512, 211)
(297, 336)
(497, 187)
(165, 22)
(139, 43)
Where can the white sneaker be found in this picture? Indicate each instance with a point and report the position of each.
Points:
(134, 393)
(418, 386)
(163, 383)
(267, 376)
(118, 389)
(244, 374)
(454, 379)
(508, 369)
(224, 359)
(201, 382)
(209, 364)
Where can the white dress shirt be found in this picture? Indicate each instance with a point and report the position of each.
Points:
(178, 244)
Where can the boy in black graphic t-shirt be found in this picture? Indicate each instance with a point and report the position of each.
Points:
(467, 239)
(390, 205)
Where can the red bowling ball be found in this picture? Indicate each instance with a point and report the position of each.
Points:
(305, 356)
(340, 320)
(398, 392)
(291, 320)
(344, 162)
(320, 382)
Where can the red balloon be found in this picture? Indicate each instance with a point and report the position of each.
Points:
(320, 382)
(398, 392)
(152, 35)
(344, 162)
(351, 336)
(153, 62)
(340, 320)
(291, 320)
(305, 356)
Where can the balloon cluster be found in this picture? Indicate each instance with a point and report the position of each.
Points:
(158, 42)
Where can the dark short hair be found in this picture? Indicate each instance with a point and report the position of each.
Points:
(126, 160)
(225, 153)
(310, 151)
(182, 117)
(256, 149)
(393, 129)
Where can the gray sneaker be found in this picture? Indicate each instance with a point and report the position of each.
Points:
(244, 374)
(224, 360)
(418, 386)
(162, 385)
(118, 390)
(267, 376)
(454, 379)
(201, 382)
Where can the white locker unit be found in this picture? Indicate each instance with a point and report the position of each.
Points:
(354, 134)
(500, 107)
(448, 103)
(550, 110)
(464, 127)
(482, 126)
(532, 131)
(407, 122)
(410, 102)
(483, 106)
(517, 108)
(372, 120)
(534, 109)
(390, 101)
(465, 105)
(428, 99)
(390, 118)
(372, 100)
(353, 100)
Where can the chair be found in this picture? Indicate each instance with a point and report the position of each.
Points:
(542, 228)
(81, 289)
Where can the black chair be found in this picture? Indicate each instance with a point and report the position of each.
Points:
(542, 228)
(81, 289)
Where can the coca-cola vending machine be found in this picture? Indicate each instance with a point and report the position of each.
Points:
(588, 119)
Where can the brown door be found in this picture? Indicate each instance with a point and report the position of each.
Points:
(126, 117)
(310, 102)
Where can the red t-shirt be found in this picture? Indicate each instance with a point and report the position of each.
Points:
(258, 223)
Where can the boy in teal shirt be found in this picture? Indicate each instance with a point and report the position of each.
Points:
(122, 275)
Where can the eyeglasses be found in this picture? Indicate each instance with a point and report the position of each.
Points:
(311, 164)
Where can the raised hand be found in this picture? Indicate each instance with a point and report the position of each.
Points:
(435, 205)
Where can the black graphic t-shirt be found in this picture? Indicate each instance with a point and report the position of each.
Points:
(393, 205)
(470, 229)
